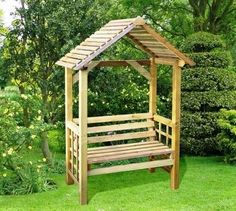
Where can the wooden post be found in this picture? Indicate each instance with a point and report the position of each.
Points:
(152, 98)
(175, 145)
(68, 117)
(83, 119)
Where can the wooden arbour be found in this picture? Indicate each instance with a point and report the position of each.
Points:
(160, 136)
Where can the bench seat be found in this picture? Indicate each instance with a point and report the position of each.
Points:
(127, 151)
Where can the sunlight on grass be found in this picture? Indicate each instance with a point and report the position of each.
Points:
(206, 184)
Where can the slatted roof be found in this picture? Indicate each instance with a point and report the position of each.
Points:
(136, 29)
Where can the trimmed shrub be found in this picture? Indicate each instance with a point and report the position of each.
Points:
(206, 88)
(212, 59)
(202, 42)
(227, 137)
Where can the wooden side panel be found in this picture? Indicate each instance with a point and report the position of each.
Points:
(83, 89)
(68, 117)
(176, 92)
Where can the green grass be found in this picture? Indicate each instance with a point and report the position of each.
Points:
(206, 184)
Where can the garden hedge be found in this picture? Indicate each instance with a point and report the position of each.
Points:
(206, 88)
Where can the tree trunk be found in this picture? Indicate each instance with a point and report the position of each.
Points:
(45, 147)
(25, 109)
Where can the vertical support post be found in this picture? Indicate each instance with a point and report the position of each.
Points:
(68, 117)
(152, 98)
(175, 145)
(83, 124)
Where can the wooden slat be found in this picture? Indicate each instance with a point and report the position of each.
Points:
(122, 151)
(159, 38)
(140, 69)
(83, 52)
(65, 64)
(97, 40)
(75, 56)
(122, 20)
(129, 155)
(102, 36)
(118, 24)
(117, 137)
(118, 127)
(70, 60)
(87, 43)
(122, 147)
(108, 32)
(163, 120)
(108, 28)
(86, 48)
(131, 167)
(141, 35)
(140, 45)
(115, 39)
(116, 118)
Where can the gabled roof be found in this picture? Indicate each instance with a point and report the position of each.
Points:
(136, 29)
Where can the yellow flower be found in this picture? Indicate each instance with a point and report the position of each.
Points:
(4, 154)
(4, 175)
(29, 147)
(24, 96)
(33, 136)
(10, 151)
(44, 159)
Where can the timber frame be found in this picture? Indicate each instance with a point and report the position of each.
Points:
(160, 136)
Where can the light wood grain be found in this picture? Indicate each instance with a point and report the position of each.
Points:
(131, 167)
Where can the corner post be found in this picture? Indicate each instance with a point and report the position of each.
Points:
(68, 117)
(83, 113)
(175, 145)
(152, 98)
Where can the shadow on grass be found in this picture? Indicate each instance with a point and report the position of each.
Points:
(109, 182)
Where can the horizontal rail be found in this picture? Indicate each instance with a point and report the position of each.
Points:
(118, 127)
(116, 118)
(72, 126)
(163, 133)
(125, 136)
(163, 120)
(131, 167)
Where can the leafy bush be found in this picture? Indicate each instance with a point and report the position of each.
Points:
(18, 176)
(227, 137)
(206, 88)
(202, 42)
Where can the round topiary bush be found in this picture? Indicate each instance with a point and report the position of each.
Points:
(206, 88)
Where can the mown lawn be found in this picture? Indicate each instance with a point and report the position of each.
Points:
(206, 184)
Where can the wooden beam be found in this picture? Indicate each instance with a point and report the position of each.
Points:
(131, 167)
(124, 63)
(163, 41)
(68, 117)
(175, 145)
(152, 99)
(140, 69)
(170, 61)
(83, 110)
(115, 118)
(105, 46)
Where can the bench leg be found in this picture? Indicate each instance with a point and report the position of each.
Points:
(174, 174)
(83, 186)
(152, 158)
